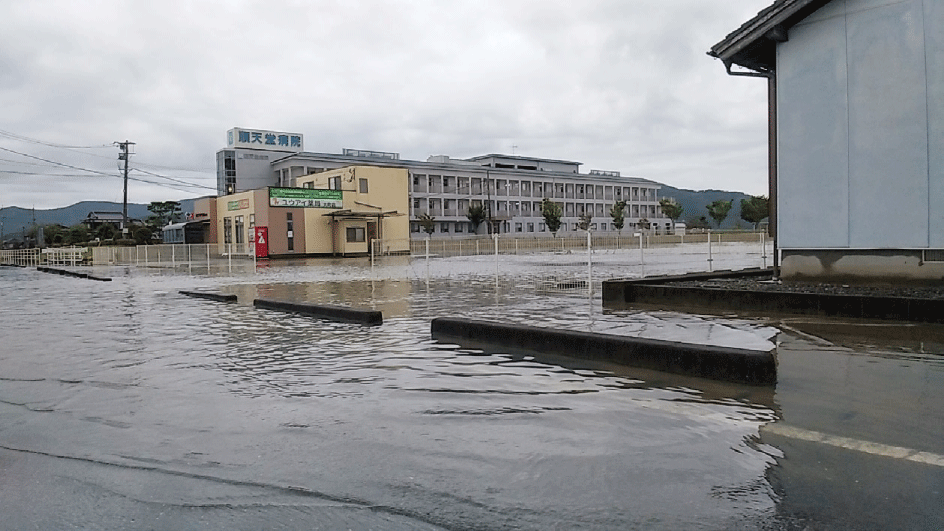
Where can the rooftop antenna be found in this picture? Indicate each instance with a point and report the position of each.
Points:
(513, 148)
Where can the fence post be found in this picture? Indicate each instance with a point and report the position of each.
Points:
(763, 248)
(642, 258)
(589, 265)
(495, 236)
(710, 259)
(427, 257)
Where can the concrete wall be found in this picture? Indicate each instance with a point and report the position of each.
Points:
(861, 129)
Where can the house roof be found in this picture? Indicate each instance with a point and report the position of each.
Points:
(105, 216)
(754, 44)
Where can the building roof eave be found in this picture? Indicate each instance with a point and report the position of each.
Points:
(753, 44)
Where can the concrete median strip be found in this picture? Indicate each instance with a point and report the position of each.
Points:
(68, 273)
(754, 367)
(219, 297)
(332, 313)
(868, 447)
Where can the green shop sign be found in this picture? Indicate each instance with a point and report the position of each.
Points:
(304, 198)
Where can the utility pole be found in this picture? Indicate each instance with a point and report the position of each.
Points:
(125, 155)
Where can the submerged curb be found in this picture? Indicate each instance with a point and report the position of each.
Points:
(218, 297)
(659, 291)
(754, 367)
(65, 272)
(332, 313)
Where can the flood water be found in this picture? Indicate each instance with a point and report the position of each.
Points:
(125, 405)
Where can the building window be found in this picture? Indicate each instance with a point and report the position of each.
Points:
(518, 227)
(240, 230)
(363, 185)
(414, 227)
(541, 227)
(252, 220)
(334, 183)
(290, 231)
(416, 180)
(227, 230)
(459, 227)
(356, 235)
(444, 227)
(416, 204)
(530, 227)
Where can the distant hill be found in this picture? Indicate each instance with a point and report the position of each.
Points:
(695, 204)
(16, 219)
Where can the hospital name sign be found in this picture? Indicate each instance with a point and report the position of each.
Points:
(268, 140)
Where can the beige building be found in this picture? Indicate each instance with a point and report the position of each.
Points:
(375, 206)
(338, 212)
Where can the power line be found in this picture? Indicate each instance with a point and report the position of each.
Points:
(175, 180)
(52, 161)
(49, 144)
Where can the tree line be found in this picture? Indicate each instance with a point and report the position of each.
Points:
(753, 210)
(163, 213)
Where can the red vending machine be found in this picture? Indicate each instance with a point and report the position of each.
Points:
(262, 242)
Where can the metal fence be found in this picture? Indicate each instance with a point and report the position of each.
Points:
(21, 257)
(578, 264)
(72, 256)
(173, 255)
(508, 244)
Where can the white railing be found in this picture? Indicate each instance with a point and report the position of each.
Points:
(21, 257)
(579, 263)
(172, 255)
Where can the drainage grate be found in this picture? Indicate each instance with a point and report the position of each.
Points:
(934, 255)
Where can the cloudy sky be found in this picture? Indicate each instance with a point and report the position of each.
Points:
(615, 84)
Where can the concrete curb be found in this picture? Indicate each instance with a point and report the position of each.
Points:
(218, 297)
(659, 291)
(753, 367)
(331, 313)
(64, 272)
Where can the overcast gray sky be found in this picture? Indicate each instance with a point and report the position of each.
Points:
(615, 84)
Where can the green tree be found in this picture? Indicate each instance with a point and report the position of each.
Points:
(552, 213)
(163, 213)
(142, 235)
(618, 213)
(697, 223)
(53, 234)
(427, 222)
(583, 222)
(671, 208)
(76, 234)
(718, 210)
(476, 215)
(106, 231)
(755, 209)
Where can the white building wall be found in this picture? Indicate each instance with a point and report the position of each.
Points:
(860, 99)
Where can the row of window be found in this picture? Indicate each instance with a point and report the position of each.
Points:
(460, 227)
(458, 207)
(485, 186)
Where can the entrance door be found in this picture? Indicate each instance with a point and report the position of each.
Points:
(371, 235)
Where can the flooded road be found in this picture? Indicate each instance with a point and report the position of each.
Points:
(127, 405)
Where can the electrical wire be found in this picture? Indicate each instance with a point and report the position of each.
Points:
(22, 138)
(194, 185)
